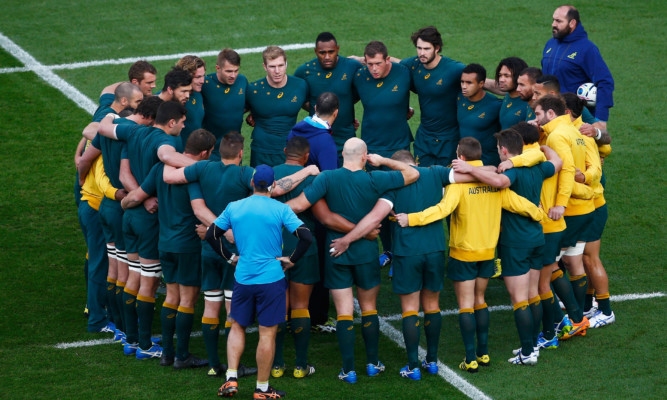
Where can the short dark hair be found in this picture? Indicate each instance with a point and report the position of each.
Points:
(476, 69)
(404, 156)
(552, 102)
(533, 73)
(231, 145)
(376, 47)
(175, 78)
(550, 82)
(230, 56)
(125, 90)
(511, 140)
(169, 110)
(470, 148)
(514, 64)
(428, 34)
(572, 14)
(528, 132)
(198, 141)
(326, 104)
(325, 37)
(149, 106)
(574, 104)
(138, 69)
(297, 146)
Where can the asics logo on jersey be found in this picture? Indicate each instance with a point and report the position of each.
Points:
(380, 84)
(571, 56)
(470, 107)
(395, 89)
(227, 90)
(328, 75)
(280, 95)
(427, 76)
(509, 105)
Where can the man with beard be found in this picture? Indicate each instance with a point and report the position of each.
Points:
(177, 86)
(435, 79)
(525, 82)
(224, 98)
(514, 108)
(195, 104)
(575, 60)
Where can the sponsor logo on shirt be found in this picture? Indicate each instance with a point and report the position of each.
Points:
(571, 56)
(470, 107)
(380, 84)
(227, 90)
(280, 95)
(427, 76)
(327, 76)
(509, 105)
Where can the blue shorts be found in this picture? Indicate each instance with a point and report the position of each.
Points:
(216, 273)
(181, 268)
(576, 229)
(141, 231)
(552, 247)
(267, 301)
(594, 230)
(460, 271)
(111, 217)
(423, 271)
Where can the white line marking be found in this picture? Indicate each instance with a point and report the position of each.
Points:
(47, 75)
(444, 371)
(130, 60)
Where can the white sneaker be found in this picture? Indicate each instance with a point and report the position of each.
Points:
(520, 359)
(599, 319)
(591, 313)
(536, 351)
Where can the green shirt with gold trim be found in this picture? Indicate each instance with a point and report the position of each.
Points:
(386, 101)
(514, 110)
(339, 81)
(479, 119)
(275, 111)
(194, 117)
(223, 108)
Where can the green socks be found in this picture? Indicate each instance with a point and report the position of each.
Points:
(345, 335)
(370, 330)
(130, 310)
(278, 358)
(145, 311)
(184, 319)
(210, 328)
(301, 333)
(168, 324)
(468, 327)
(523, 318)
(411, 337)
(482, 322)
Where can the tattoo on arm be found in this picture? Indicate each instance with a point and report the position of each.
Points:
(285, 184)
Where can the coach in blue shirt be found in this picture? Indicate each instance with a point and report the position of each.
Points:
(257, 222)
(576, 60)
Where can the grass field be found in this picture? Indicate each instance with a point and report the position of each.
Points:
(42, 250)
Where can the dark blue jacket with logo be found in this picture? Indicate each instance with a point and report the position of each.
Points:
(576, 60)
(323, 151)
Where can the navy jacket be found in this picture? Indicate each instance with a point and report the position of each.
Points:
(322, 145)
(576, 60)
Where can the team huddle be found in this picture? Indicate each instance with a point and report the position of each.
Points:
(513, 162)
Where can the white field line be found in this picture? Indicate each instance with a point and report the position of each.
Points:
(47, 75)
(444, 371)
(130, 60)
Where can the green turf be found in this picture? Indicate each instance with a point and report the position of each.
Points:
(42, 250)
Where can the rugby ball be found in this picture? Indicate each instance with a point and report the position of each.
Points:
(588, 91)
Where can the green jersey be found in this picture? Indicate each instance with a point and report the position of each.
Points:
(480, 120)
(218, 185)
(427, 191)
(519, 231)
(514, 110)
(339, 81)
(274, 111)
(289, 240)
(353, 195)
(177, 220)
(437, 90)
(223, 108)
(384, 127)
(194, 117)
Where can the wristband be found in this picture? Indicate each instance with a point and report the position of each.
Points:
(599, 135)
(451, 176)
(231, 259)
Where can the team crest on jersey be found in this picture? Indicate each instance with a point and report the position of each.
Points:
(482, 115)
(327, 76)
(509, 105)
(380, 84)
(548, 51)
(218, 86)
(307, 72)
(395, 89)
(280, 95)
(344, 78)
(294, 99)
(268, 93)
(439, 83)
(571, 56)
(241, 91)
(318, 74)
(255, 92)
(227, 90)
(427, 76)
(518, 113)
(470, 107)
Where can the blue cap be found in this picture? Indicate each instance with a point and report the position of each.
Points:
(263, 176)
